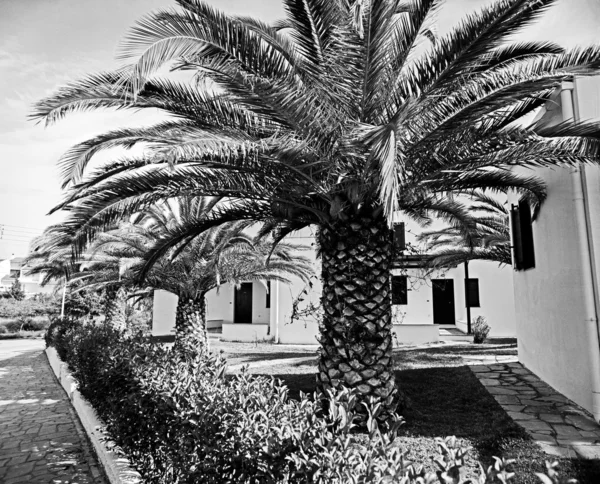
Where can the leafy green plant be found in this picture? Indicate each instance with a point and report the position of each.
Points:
(14, 309)
(180, 418)
(480, 330)
(16, 290)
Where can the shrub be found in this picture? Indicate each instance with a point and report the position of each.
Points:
(12, 326)
(480, 330)
(13, 309)
(60, 335)
(16, 290)
(181, 419)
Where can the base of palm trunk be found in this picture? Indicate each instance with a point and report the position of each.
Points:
(190, 326)
(356, 332)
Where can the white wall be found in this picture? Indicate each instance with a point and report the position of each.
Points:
(164, 307)
(551, 328)
(4, 268)
(219, 304)
(496, 296)
(247, 333)
(549, 305)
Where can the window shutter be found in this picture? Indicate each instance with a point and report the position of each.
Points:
(400, 290)
(399, 236)
(522, 236)
(472, 293)
(515, 221)
(528, 252)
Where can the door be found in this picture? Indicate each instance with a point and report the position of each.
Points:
(243, 304)
(443, 301)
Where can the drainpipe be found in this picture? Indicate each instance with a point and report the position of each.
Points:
(275, 304)
(467, 300)
(586, 251)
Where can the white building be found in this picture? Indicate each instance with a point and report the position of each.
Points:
(557, 264)
(424, 304)
(14, 268)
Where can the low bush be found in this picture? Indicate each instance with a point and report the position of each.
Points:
(481, 330)
(27, 308)
(180, 419)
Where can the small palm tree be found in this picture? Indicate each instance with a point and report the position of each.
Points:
(337, 116)
(478, 230)
(51, 256)
(126, 258)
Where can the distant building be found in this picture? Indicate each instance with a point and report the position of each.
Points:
(14, 268)
(423, 303)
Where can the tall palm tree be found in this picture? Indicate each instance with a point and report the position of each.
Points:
(339, 115)
(478, 230)
(224, 254)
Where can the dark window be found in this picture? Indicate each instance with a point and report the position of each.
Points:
(522, 236)
(399, 237)
(472, 293)
(399, 290)
(268, 302)
(15, 273)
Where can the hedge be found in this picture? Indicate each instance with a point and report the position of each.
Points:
(181, 419)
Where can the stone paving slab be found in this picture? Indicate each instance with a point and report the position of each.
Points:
(41, 438)
(559, 426)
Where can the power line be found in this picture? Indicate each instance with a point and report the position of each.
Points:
(36, 229)
(16, 234)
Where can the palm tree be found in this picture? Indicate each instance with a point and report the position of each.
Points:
(123, 258)
(478, 230)
(337, 116)
(53, 261)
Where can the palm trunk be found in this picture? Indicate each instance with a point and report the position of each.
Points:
(190, 325)
(356, 341)
(114, 309)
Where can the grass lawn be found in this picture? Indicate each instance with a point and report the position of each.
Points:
(444, 398)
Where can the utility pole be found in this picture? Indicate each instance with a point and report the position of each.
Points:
(467, 301)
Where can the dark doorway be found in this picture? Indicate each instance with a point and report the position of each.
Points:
(243, 304)
(443, 301)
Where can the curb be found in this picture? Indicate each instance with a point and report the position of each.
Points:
(118, 469)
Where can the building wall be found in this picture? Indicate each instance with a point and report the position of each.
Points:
(164, 306)
(549, 306)
(495, 287)
(221, 306)
(496, 297)
(4, 268)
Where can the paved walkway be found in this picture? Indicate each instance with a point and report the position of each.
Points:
(41, 438)
(557, 424)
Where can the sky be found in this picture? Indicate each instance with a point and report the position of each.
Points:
(45, 44)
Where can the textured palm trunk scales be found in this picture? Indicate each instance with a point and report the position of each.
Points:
(356, 341)
(114, 309)
(190, 325)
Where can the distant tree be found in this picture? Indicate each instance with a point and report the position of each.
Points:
(16, 290)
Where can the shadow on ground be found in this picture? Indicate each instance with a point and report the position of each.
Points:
(451, 401)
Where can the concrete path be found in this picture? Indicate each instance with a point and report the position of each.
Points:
(41, 438)
(557, 424)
